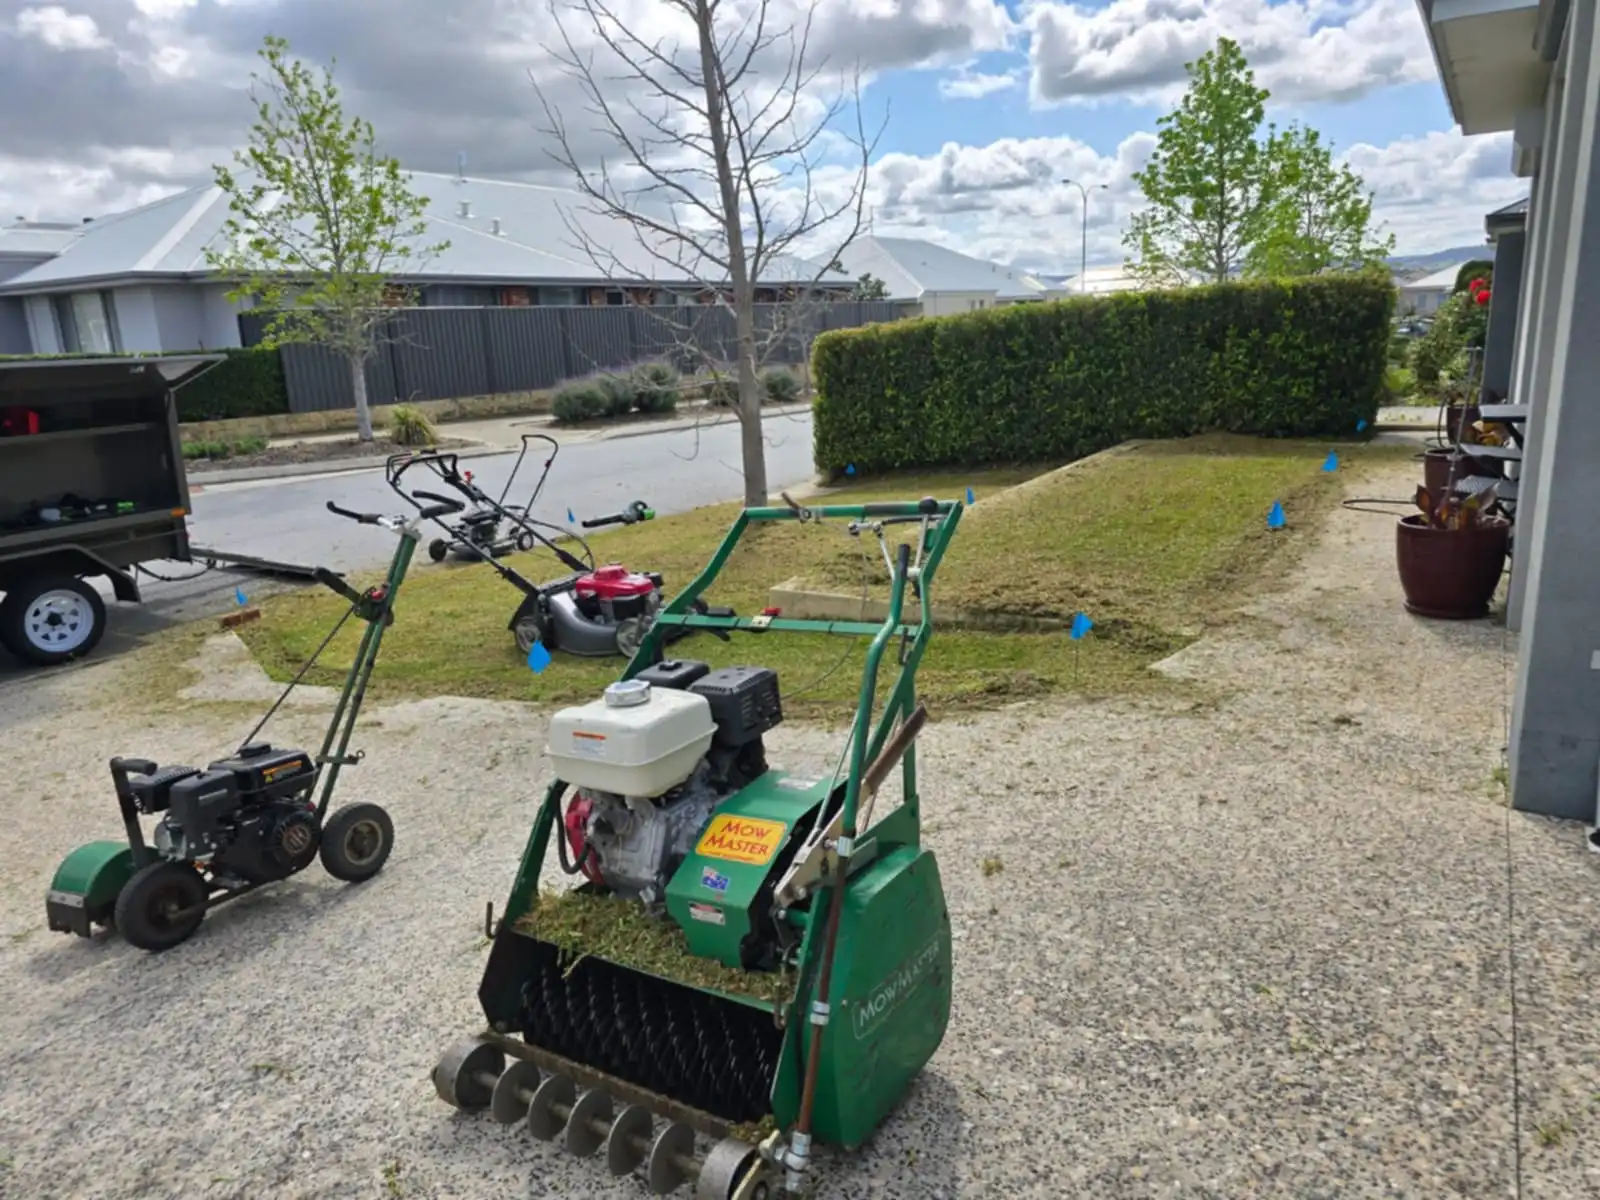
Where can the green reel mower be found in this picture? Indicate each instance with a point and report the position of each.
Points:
(750, 964)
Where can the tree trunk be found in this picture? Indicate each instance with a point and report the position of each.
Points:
(358, 385)
(753, 451)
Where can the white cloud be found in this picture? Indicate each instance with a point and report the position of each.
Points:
(1301, 50)
(973, 85)
(60, 29)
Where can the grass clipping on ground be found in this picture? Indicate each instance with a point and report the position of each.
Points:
(581, 924)
(1156, 542)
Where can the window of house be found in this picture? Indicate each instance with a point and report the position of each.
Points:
(558, 295)
(86, 323)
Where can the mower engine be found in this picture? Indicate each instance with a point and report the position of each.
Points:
(651, 762)
(250, 818)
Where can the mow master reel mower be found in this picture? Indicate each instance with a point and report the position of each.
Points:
(749, 957)
(247, 820)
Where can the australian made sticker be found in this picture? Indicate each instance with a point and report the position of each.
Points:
(741, 839)
(709, 913)
(712, 881)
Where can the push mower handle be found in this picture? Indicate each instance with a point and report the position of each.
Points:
(362, 518)
(441, 506)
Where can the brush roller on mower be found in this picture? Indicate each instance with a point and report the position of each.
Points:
(745, 950)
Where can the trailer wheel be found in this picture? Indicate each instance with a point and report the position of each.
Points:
(50, 619)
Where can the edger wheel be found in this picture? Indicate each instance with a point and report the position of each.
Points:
(437, 549)
(160, 906)
(356, 842)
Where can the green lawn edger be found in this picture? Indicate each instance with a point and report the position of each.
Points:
(244, 821)
(749, 956)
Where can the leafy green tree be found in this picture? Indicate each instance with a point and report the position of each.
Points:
(1320, 215)
(1208, 183)
(319, 222)
(870, 287)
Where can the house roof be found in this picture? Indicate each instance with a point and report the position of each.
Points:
(1441, 280)
(29, 239)
(1512, 217)
(909, 267)
(535, 240)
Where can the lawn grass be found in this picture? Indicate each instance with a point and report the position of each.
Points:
(1155, 543)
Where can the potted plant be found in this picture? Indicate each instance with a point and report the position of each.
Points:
(1451, 553)
(1442, 466)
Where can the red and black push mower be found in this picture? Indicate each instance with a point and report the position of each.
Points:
(248, 820)
(592, 611)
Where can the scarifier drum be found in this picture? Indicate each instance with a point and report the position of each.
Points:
(748, 962)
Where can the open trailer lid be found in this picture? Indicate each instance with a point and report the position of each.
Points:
(111, 375)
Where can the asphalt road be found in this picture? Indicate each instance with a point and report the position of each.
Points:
(287, 519)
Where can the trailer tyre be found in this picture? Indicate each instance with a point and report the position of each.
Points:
(51, 619)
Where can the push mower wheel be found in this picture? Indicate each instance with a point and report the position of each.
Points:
(148, 907)
(630, 633)
(437, 549)
(733, 1170)
(356, 842)
(528, 630)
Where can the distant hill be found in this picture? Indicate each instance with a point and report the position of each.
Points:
(1439, 259)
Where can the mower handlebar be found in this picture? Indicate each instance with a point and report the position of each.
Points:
(441, 506)
(363, 518)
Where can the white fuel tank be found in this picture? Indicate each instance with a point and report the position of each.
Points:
(636, 740)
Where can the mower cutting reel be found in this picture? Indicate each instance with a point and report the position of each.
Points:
(748, 952)
(253, 818)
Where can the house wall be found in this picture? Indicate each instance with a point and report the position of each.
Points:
(945, 304)
(219, 318)
(138, 330)
(1555, 718)
(14, 337)
(1422, 303)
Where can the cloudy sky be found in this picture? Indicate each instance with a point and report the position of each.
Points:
(105, 104)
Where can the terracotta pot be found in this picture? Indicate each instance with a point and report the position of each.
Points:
(1436, 468)
(1450, 573)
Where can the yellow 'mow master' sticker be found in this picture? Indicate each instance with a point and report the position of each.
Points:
(741, 839)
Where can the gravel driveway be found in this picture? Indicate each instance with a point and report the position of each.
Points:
(1259, 947)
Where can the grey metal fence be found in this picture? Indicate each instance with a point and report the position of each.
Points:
(444, 353)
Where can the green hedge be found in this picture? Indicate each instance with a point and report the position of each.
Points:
(1056, 381)
(248, 383)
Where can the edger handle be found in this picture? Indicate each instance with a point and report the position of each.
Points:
(441, 506)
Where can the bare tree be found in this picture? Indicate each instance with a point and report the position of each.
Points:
(722, 140)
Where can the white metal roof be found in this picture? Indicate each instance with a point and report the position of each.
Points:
(910, 267)
(534, 242)
(1442, 280)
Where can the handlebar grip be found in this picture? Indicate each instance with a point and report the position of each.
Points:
(133, 766)
(444, 502)
(903, 559)
(363, 518)
(434, 511)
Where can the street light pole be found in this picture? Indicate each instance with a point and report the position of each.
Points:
(1083, 265)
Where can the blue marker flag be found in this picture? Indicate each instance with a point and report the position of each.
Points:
(1275, 518)
(1331, 463)
(238, 594)
(538, 658)
(850, 470)
(971, 499)
(1361, 424)
(1080, 626)
(570, 518)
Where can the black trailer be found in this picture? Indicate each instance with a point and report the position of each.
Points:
(91, 483)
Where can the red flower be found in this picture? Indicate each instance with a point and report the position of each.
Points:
(1483, 296)
(1476, 285)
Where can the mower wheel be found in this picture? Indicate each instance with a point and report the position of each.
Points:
(630, 634)
(437, 549)
(356, 842)
(160, 906)
(530, 629)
